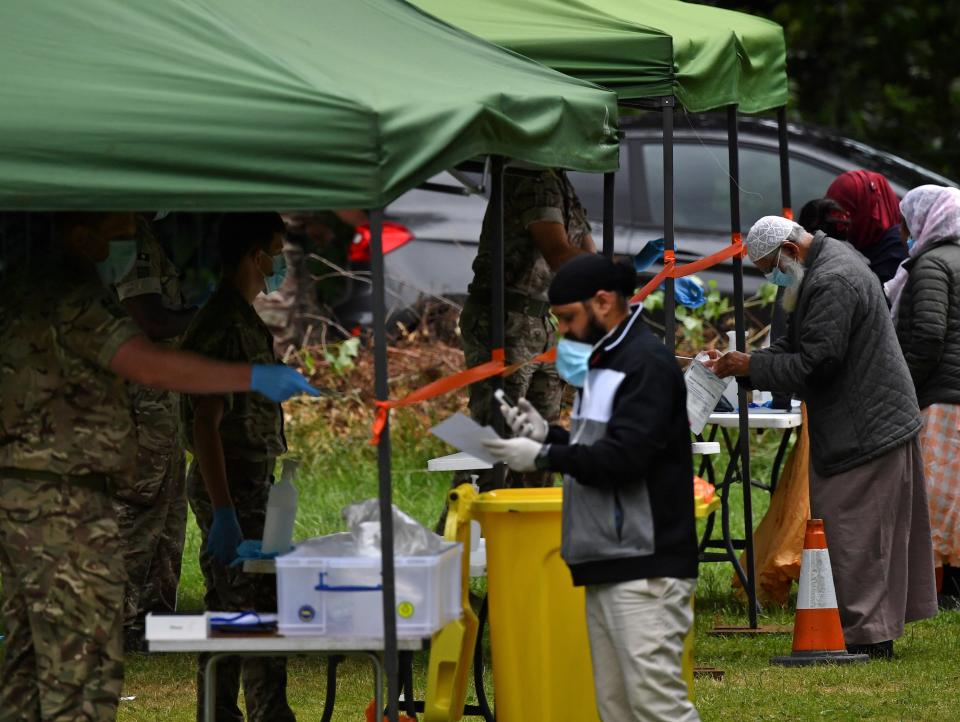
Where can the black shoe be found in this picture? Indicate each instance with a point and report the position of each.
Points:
(877, 650)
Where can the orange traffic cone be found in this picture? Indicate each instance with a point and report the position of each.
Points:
(817, 634)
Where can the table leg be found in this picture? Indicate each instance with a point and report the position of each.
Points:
(333, 661)
(781, 451)
(377, 679)
(210, 687)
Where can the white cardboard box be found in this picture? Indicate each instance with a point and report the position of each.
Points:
(177, 626)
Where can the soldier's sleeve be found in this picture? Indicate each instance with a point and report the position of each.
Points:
(92, 324)
(144, 277)
(539, 199)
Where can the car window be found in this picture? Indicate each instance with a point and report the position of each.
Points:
(702, 186)
(589, 188)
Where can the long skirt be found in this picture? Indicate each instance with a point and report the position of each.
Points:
(878, 533)
(940, 440)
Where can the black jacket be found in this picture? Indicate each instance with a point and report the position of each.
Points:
(886, 255)
(627, 464)
(928, 323)
(841, 355)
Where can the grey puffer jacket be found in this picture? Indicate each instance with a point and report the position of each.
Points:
(841, 355)
(928, 323)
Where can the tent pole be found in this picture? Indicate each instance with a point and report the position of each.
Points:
(733, 146)
(778, 325)
(609, 182)
(383, 464)
(497, 291)
(669, 299)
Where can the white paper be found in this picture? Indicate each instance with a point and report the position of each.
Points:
(704, 389)
(467, 435)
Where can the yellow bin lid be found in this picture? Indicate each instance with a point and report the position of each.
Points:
(520, 500)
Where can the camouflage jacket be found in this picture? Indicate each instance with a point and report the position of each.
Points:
(155, 412)
(227, 328)
(61, 409)
(548, 197)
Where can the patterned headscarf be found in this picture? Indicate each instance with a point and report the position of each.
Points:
(871, 202)
(932, 214)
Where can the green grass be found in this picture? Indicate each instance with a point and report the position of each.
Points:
(340, 468)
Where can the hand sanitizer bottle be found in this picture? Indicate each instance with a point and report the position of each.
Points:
(281, 511)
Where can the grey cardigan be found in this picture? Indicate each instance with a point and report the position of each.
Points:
(928, 324)
(842, 357)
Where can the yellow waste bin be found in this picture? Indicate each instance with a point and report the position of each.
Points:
(538, 628)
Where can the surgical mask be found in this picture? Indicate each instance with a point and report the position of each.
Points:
(274, 281)
(910, 243)
(778, 277)
(120, 259)
(573, 358)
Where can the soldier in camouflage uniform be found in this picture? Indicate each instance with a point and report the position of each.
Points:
(544, 226)
(67, 444)
(153, 511)
(236, 440)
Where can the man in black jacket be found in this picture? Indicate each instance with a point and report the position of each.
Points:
(628, 525)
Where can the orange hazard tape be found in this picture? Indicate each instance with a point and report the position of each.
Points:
(497, 367)
(494, 367)
(671, 270)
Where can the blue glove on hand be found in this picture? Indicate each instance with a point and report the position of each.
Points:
(225, 535)
(278, 382)
(650, 254)
(689, 293)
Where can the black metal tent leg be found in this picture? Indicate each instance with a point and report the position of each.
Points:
(609, 184)
(740, 317)
(497, 301)
(669, 238)
(383, 466)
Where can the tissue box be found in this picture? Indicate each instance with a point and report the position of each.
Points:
(324, 588)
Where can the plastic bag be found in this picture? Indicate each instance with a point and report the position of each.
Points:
(410, 538)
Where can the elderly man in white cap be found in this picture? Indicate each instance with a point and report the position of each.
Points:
(841, 356)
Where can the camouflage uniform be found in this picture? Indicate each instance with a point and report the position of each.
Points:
(528, 329)
(66, 437)
(251, 430)
(153, 511)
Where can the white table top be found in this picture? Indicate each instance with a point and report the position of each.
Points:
(759, 419)
(276, 643)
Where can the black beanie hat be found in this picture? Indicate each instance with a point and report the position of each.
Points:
(582, 276)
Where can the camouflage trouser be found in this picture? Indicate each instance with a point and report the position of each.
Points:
(526, 336)
(62, 596)
(230, 589)
(153, 523)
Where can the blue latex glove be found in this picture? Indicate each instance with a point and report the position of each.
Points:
(650, 254)
(225, 535)
(689, 293)
(278, 382)
(251, 549)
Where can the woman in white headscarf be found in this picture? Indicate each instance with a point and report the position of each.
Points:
(925, 300)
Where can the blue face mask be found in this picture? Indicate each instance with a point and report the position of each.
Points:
(910, 243)
(573, 358)
(119, 261)
(778, 277)
(273, 282)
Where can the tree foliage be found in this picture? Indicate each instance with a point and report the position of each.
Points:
(887, 74)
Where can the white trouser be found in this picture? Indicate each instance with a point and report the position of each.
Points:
(636, 632)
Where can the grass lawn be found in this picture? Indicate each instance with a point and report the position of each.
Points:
(340, 468)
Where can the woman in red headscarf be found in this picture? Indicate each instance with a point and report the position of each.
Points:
(874, 219)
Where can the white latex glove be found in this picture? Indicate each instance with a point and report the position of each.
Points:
(525, 420)
(518, 454)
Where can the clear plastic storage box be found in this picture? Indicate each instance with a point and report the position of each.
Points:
(325, 588)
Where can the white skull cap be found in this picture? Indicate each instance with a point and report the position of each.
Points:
(767, 235)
